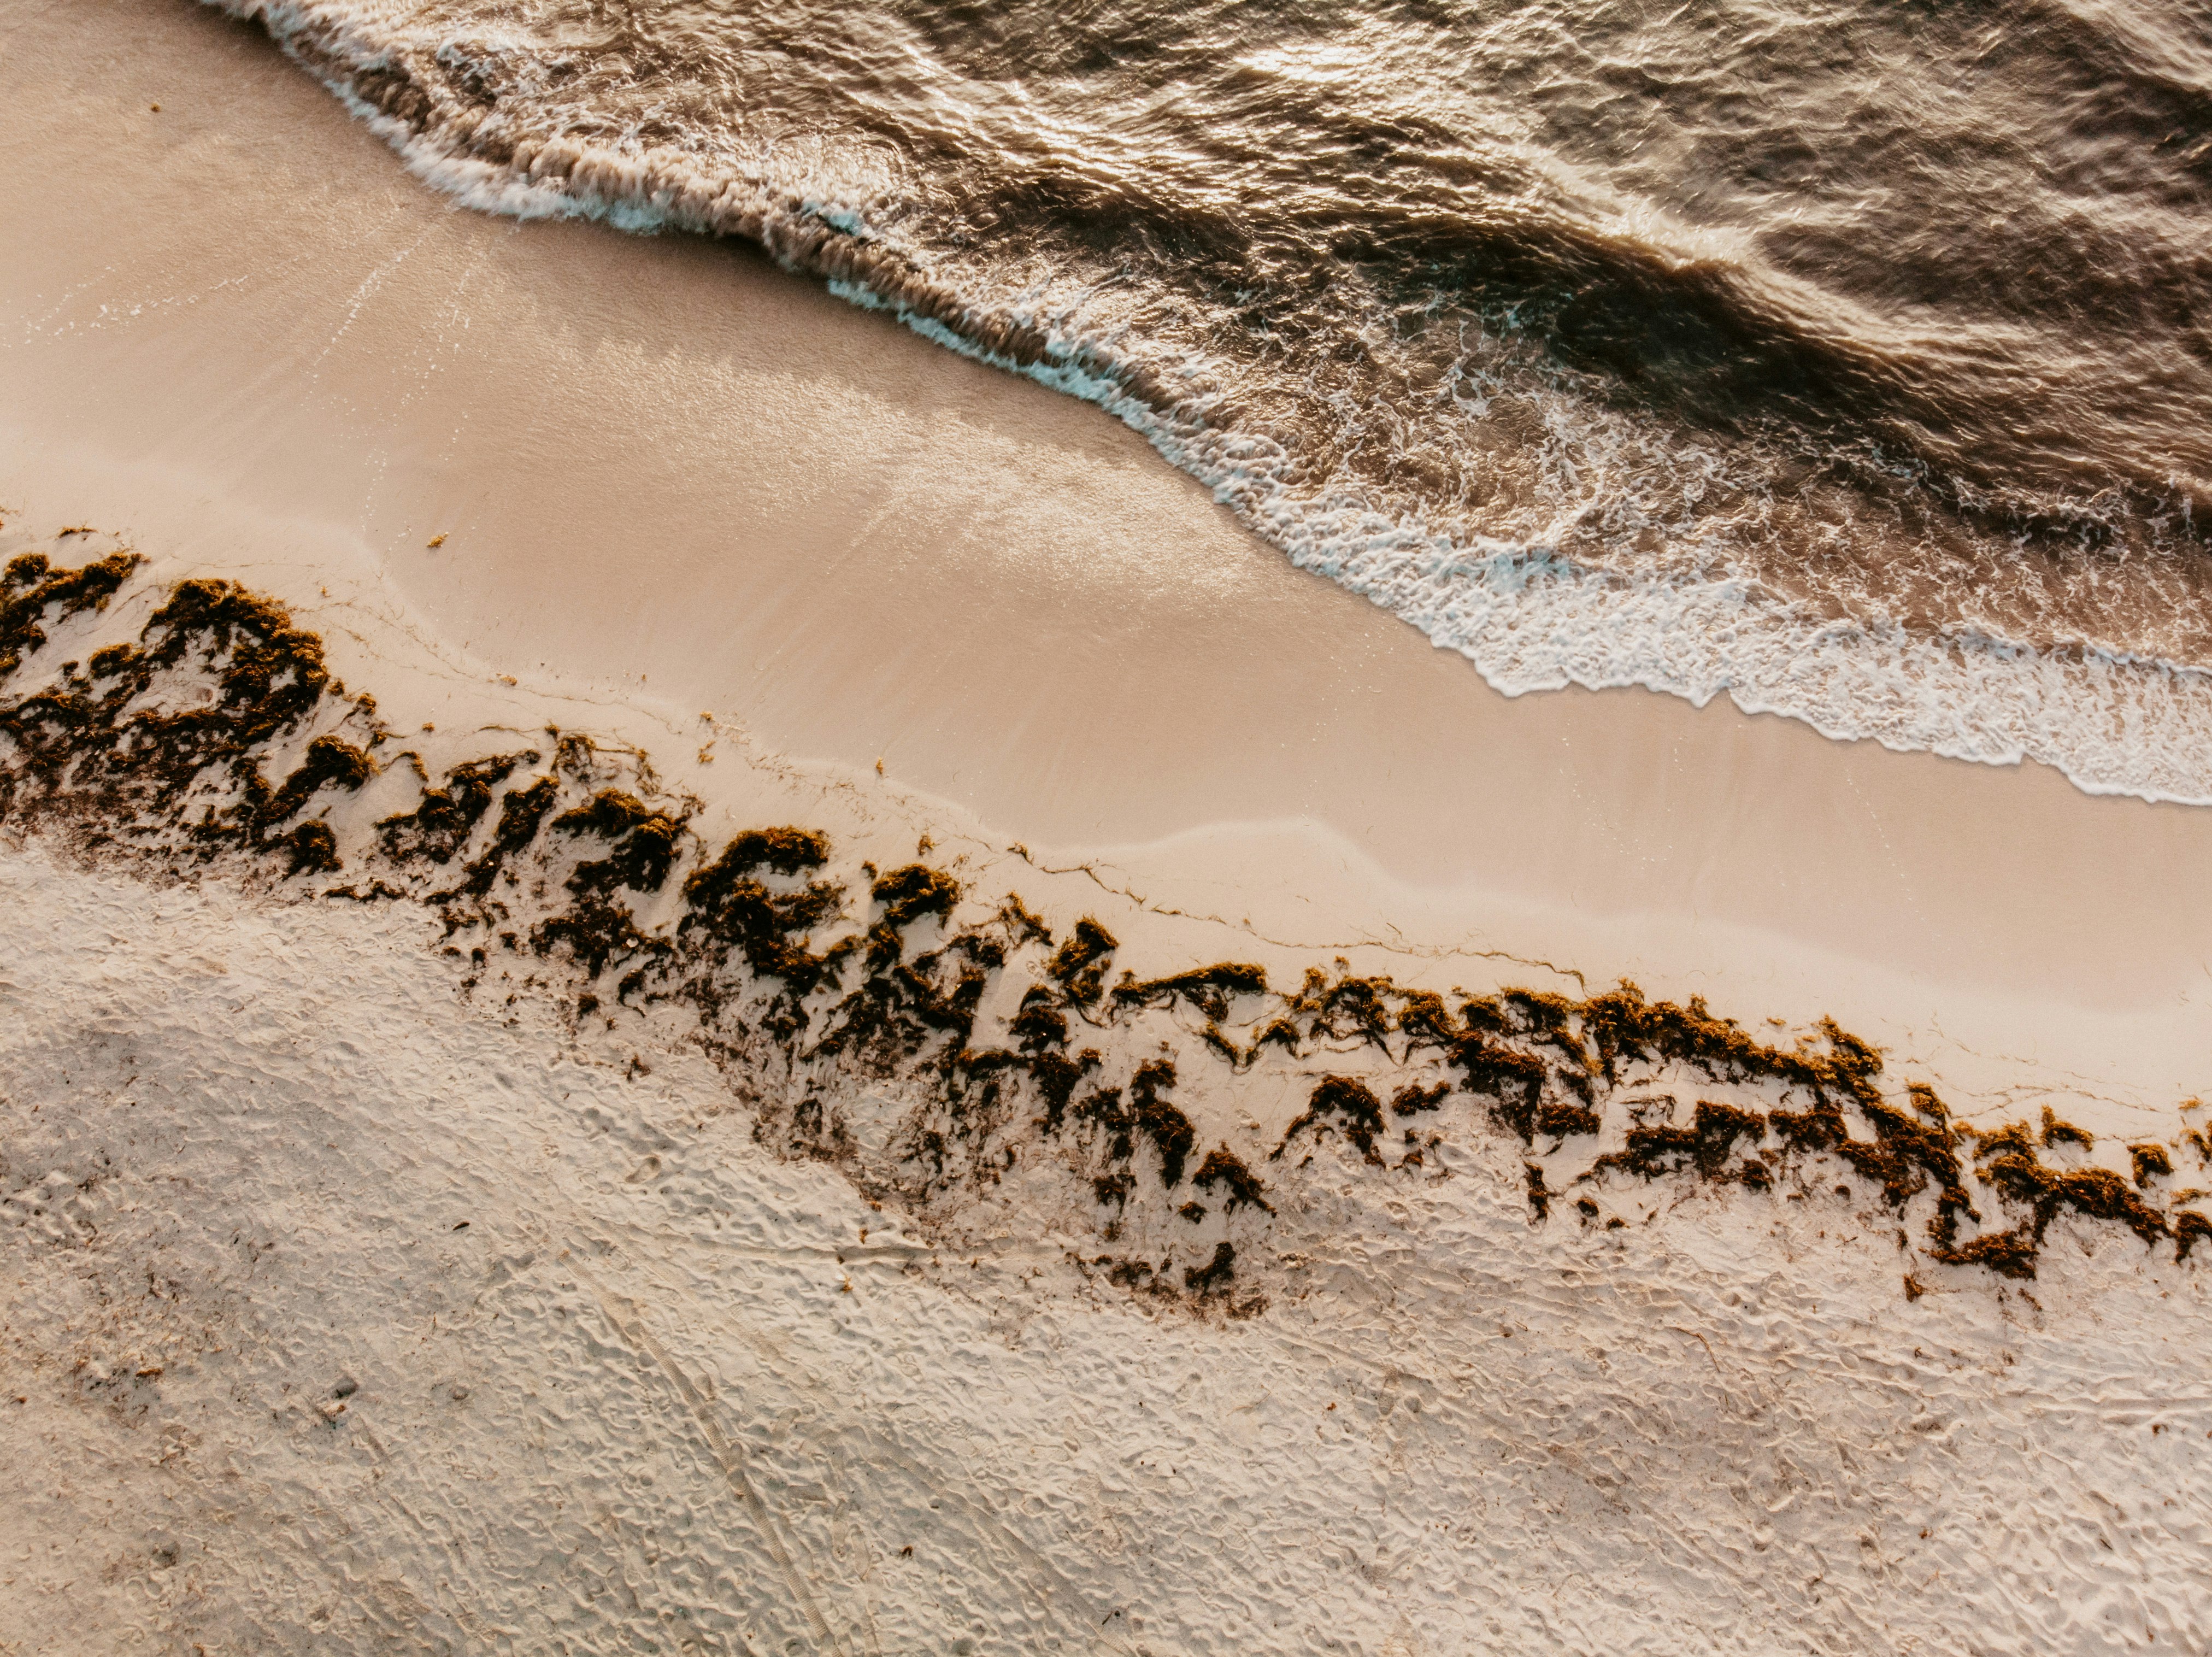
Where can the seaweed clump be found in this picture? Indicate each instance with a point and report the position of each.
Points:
(1707, 1145)
(1349, 1103)
(1539, 1196)
(900, 1006)
(1079, 965)
(30, 585)
(2149, 1162)
(1224, 1168)
(1146, 1114)
(446, 818)
(2055, 1132)
(1212, 1277)
(908, 894)
(729, 906)
(2008, 1253)
(2097, 1192)
(1167, 1128)
(643, 841)
(1207, 988)
(105, 748)
(1412, 1099)
(643, 848)
(1905, 1154)
(1038, 1024)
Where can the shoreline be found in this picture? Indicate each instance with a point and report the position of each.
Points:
(669, 478)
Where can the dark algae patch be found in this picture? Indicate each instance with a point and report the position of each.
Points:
(1411, 1099)
(109, 751)
(217, 734)
(1224, 1169)
(1209, 989)
(1345, 1103)
(440, 828)
(643, 842)
(2151, 1162)
(729, 903)
(31, 588)
(1212, 1277)
(1079, 965)
(1167, 1128)
(1539, 1196)
(2055, 1132)
(313, 849)
(908, 894)
(1708, 1145)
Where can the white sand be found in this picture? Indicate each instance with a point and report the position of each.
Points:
(672, 479)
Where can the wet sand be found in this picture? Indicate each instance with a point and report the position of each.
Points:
(669, 478)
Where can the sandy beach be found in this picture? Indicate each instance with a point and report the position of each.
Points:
(821, 571)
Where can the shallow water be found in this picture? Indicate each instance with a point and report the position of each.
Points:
(1850, 361)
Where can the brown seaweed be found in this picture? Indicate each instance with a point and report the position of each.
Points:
(909, 894)
(443, 823)
(1207, 988)
(1039, 1023)
(30, 586)
(1350, 1104)
(1540, 1196)
(1412, 1099)
(98, 749)
(1167, 1128)
(2008, 1253)
(1708, 1145)
(1212, 1277)
(644, 842)
(2055, 1132)
(1143, 1114)
(1224, 1167)
(1079, 965)
(729, 908)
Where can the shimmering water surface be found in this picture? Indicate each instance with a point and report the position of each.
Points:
(1854, 358)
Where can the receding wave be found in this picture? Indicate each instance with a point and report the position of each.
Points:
(1853, 366)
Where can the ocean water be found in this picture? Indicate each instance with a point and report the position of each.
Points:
(1852, 359)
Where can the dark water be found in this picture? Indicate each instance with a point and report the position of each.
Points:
(1854, 359)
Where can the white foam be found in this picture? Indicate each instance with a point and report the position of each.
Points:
(1530, 619)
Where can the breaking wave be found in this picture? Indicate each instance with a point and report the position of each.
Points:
(1707, 353)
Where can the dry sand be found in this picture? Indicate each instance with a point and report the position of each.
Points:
(665, 1393)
